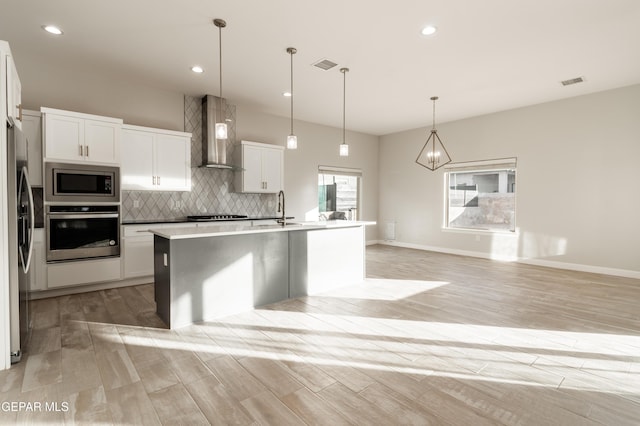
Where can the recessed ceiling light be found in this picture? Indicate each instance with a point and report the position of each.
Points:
(286, 94)
(197, 69)
(429, 30)
(52, 29)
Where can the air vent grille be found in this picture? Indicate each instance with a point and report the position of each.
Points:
(324, 64)
(572, 81)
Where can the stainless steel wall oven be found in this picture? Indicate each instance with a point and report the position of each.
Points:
(77, 232)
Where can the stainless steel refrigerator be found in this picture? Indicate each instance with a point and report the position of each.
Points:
(21, 225)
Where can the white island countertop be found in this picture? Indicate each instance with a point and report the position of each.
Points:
(229, 229)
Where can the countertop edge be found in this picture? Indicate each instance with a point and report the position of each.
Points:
(216, 231)
(185, 220)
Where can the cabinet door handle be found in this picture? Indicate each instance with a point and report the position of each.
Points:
(81, 152)
(158, 180)
(86, 150)
(19, 112)
(154, 180)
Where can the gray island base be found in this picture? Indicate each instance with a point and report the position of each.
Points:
(205, 273)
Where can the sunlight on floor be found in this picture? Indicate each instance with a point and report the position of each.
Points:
(547, 358)
(386, 289)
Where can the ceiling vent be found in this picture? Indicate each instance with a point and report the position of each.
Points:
(324, 64)
(572, 81)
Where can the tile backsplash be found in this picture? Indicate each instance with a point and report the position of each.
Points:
(211, 189)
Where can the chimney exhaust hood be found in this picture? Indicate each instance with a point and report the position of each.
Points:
(214, 151)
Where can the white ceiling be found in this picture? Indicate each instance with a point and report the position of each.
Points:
(487, 56)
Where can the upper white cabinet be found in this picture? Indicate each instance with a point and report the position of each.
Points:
(77, 137)
(155, 159)
(14, 94)
(261, 167)
(32, 129)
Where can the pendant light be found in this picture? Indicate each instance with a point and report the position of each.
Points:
(292, 140)
(344, 148)
(221, 126)
(433, 154)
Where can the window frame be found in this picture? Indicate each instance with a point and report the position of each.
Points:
(498, 164)
(345, 171)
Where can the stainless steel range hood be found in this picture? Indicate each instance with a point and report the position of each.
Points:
(214, 151)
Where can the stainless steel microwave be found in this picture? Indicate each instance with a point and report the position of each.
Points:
(81, 183)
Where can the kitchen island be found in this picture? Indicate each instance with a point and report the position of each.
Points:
(206, 272)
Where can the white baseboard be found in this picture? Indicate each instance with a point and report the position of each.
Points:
(536, 262)
(582, 268)
(439, 249)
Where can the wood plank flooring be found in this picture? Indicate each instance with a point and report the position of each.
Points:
(428, 339)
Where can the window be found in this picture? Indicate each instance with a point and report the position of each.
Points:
(339, 193)
(481, 195)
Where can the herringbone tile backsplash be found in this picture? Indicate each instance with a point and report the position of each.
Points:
(211, 189)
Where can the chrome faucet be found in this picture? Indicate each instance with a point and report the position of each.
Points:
(281, 207)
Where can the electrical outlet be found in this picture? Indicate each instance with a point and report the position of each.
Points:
(136, 204)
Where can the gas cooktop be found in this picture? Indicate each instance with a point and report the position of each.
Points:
(214, 217)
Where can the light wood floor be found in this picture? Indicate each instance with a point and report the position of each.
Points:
(428, 339)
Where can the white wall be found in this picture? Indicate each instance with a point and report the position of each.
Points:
(94, 91)
(578, 205)
(317, 145)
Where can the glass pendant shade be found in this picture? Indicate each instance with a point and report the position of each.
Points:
(292, 142)
(221, 126)
(344, 148)
(433, 154)
(221, 130)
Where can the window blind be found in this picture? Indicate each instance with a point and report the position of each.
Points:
(494, 164)
(331, 170)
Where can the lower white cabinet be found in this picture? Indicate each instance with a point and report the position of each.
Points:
(137, 248)
(67, 274)
(155, 159)
(137, 251)
(138, 260)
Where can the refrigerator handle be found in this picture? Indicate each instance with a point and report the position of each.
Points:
(25, 178)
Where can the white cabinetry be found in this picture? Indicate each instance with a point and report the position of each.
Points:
(77, 137)
(262, 167)
(65, 274)
(32, 129)
(14, 94)
(137, 247)
(137, 250)
(155, 159)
